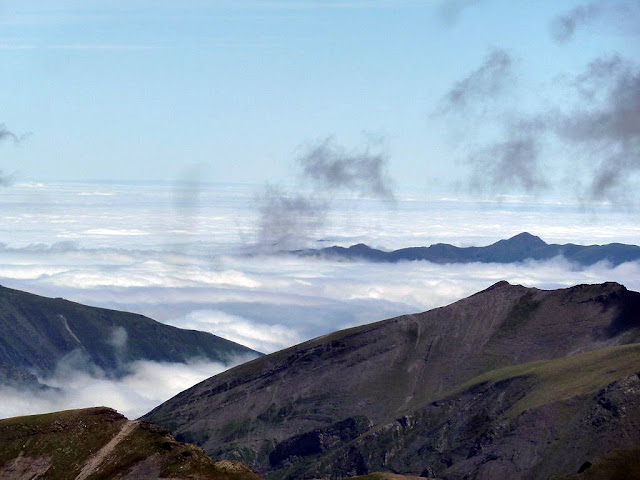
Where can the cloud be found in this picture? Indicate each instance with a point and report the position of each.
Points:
(512, 162)
(451, 10)
(331, 167)
(288, 220)
(118, 338)
(7, 134)
(488, 81)
(609, 133)
(598, 129)
(564, 26)
(623, 15)
(347, 294)
(5, 180)
(262, 337)
(148, 385)
(271, 302)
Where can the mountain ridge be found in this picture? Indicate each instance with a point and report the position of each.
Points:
(518, 248)
(333, 389)
(37, 332)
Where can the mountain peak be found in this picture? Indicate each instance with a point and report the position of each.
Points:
(526, 238)
(316, 402)
(500, 284)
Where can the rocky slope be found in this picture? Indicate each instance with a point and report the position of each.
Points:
(529, 421)
(519, 248)
(99, 443)
(37, 332)
(305, 411)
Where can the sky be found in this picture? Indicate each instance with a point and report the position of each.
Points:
(155, 154)
(238, 90)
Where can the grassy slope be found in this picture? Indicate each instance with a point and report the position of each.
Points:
(566, 377)
(70, 437)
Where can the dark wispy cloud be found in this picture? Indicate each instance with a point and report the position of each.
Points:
(564, 26)
(609, 132)
(600, 133)
(621, 14)
(450, 10)
(332, 167)
(288, 220)
(596, 127)
(6, 134)
(5, 180)
(511, 162)
(487, 81)
(291, 218)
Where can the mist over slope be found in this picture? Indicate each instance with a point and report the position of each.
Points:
(56, 354)
(36, 333)
(297, 413)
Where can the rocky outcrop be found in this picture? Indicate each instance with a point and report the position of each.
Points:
(477, 435)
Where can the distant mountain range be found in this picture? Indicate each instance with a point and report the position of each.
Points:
(523, 246)
(512, 382)
(36, 333)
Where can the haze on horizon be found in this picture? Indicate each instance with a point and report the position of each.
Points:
(488, 95)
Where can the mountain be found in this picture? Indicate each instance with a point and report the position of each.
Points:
(99, 443)
(512, 382)
(37, 332)
(523, 246)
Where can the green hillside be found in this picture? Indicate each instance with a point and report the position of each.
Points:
(100, 444)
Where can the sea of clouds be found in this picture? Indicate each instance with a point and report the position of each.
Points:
(194, 256)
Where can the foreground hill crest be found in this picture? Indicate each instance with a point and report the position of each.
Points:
(99, 443)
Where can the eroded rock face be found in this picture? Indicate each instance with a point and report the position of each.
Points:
(23, 467)
(472, 435)
(271, 413)
(318, 441)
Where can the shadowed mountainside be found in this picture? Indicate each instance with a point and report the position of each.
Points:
(99, 443)
(37, 332)
(365, 399)
(529, 421)
(523, 246)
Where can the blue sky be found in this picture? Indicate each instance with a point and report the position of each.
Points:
(150, 89)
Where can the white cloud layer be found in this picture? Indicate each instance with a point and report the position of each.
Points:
(187, 268)
(149, 384)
